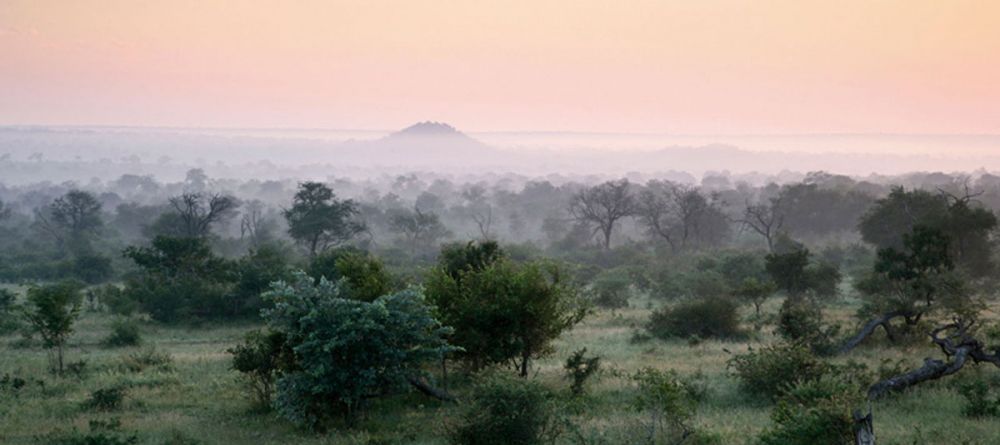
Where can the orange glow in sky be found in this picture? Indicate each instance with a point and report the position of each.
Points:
(693, 66)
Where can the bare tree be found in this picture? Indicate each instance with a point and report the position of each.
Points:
(417, 227)
(603, 206)
(484, 221)
(681, 216)
(766, 219)
(197, 212)
(254, 226)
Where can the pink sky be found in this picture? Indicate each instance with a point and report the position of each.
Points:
(705, 66)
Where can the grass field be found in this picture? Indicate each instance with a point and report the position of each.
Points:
(198, 400)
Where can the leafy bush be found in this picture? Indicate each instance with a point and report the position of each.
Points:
(347, 351)
(505, 410)
(668, 402)
(106, 399)
(115, 300)
(801, 320)
(260, 358)
(9, 321)
(981, 399)
(502, 312)
(768, 371)
(52, 310)
(579, 368)
(706, 318)
(124, 332)
(610, 289)
(150, 357)
(366, 276)
(814, 412)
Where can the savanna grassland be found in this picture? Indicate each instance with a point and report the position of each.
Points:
(195, 397)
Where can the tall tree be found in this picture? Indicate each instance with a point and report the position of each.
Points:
(72, 219)
(318, 220)
(602, 206)
(765, 218)
(419, 228)
(192, 215)
(52, 309)
(681, 216)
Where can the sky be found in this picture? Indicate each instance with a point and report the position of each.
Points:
(677, 67)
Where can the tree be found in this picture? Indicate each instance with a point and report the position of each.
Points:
(255, 226)
(195, 213)
(603, 206)
(502, 312)
(963, 220)
(346, 351)
(72, 219)
(318, 220)
(765, 218)
(754, 292)
(795, 273)
(911, 283)
(364, 275)
(51, 311)
(419, 229)
(181, 278)
(681, 216)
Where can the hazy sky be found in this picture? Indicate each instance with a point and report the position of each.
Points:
(692, 66)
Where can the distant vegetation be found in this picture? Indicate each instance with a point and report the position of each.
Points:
(423, 309)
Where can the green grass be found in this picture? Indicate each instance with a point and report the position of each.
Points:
(200, 399)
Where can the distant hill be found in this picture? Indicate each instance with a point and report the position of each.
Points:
(421, 144)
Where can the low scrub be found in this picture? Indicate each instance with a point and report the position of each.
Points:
(507, 410)
(769, 371)
(714, 317)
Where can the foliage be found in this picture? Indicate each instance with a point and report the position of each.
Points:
(579, 368)
(113, 299)
(755, 292)
(106, 399)
(814, 412)
(602, 206)
(507, 410)
(180, 278)
(260, 359)
(501, 312)
(124, 332)
(150, 357)
(801, 320)
(668, 402)
(705, 318)
(611, 289)
(794, 273)
(768, 371)
(254, 274)
(347, 351)
(51, 311)
(420, 229)
(365, 275)
(981, 398)
(8, 312)
(318, 220)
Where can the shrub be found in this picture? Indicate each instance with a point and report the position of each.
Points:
(139, 361)
(124, 332)
(981, 399)
(8, 304)
(768, 371)
(801, 320)
(814, 412)
(707, 318)
(347, 351)
(610, 289)
(505, 410)
(579, 368)
(115, 300)
(106, 399)
(260, 358)
(102, 432)
(668, 402)
(52, 310)
(365, 274)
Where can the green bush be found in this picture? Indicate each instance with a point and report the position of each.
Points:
(814, 412)
(506, 410)
(260, 359)
(106, 399)
(579, 368)
(9, 321)
(115, 300)
(348, 351)
(801, 320)
(124, 332)
(705, 318)
(366, 276)
(981, 399)
(668, 402)
(611, 289)
(150, 357)
(767, 372)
